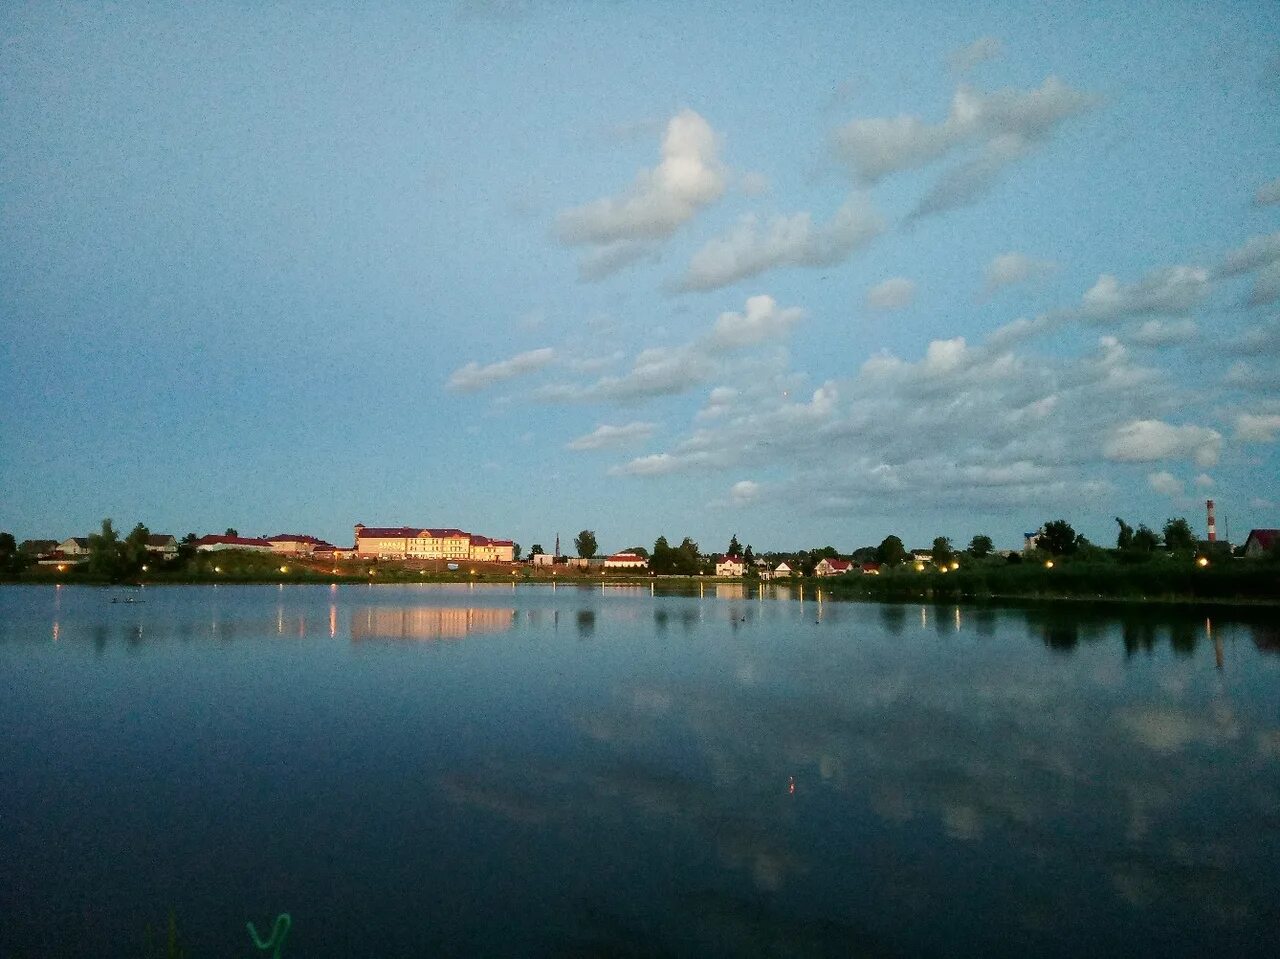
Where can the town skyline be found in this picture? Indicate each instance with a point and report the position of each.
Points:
(806, 277)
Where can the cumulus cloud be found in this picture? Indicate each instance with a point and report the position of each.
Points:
(980, 51)
(1243, 375)
(606, 436)
(744, 492)
(1168, 291)
(474, 377)
(1204, 481)
(1157, 333)
(673, 370)
(1166, 484)
(605, 260)
(1268, 193)
(1257, 428)
(1001, 126)
(894, 293)
(1009, 269)
(1144, 441)
(752, 246)
(660, 201)
(763, 319)
(1259, 255)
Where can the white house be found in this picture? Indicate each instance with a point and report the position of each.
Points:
(833, 567)
(626, 561)
(783, 569)
(76, 546)
(730, 565)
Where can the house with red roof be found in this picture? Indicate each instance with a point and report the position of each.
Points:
(626, 561)
(297, 544)
(833, 567)
(1261, 541)
(411, 542)
(730, 565)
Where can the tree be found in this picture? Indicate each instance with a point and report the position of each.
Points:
(133, 551)
(104, 550)
(662, 560)
(891, 552)
(585, 543)
(231, 531)
(735, 548)
(515, 552)
(638, 550)
(1058, 538)
(749, 557)
(537, 550)
(688, 559)
(1124, 539)
(1178, 535)
(11, 561)
(942, 553)
(980, 546)
(1145, 539)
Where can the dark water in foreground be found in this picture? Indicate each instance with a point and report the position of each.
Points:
(426, 771)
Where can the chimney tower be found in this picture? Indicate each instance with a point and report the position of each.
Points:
(1213, 528)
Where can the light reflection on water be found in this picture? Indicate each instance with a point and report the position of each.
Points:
(602, 771)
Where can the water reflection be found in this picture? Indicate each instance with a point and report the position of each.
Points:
(427, 622)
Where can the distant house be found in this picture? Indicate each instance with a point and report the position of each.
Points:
(870, 569)
(296, 544)
(411, 542)
(74, 548)
(214, 543)
(1031, 540)
(37, 547)
(730, 565)
(162, 545)
(833, 567)
(626, 561)
(783, 569)
(1260, 541)
(542, 559)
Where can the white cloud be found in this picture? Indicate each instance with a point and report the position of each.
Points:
(1257, 428)
(762, 320)
(474, 377)
(659, 202)
(744, 492)
(1163, 332)
(606, 436)
(609, 258)
(1255, 252)
(1170, 290)
(1243, 375)
(752, 247)
(1166, 484)
(894, 293)
(980, 51)
(1268, 193)
(876, 147)
(968, 181)
(1204, 481)
(1260, 502)
(1011, 268)
(1143, 441)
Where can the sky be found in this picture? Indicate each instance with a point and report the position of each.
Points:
(808, 274)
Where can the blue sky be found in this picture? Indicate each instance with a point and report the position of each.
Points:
(805, 273)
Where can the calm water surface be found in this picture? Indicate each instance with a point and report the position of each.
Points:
(429, 771)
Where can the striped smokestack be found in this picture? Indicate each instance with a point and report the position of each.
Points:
(1213, 529)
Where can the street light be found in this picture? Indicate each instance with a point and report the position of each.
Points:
(1048, 564)
(1202, 562)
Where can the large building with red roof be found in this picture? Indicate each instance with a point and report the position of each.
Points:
(411, 542)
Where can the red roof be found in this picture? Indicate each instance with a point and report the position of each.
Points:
(1266, 537)
(486, 541)
(212, 540)
(625, 558)
(388, 532)
(729, 558)
(840, 565)
(296, 538)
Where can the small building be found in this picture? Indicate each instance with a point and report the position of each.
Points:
(730, 565)
(783, 569)
(626, 561)
(833, 567)
(486, 550)
(216, 543)
(74, 548)
(542, 559)
(297, 544)
(163, 545)
(870, 569)
(1261, 541)
(37, 547)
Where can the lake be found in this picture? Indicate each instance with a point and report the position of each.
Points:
(499, 771)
